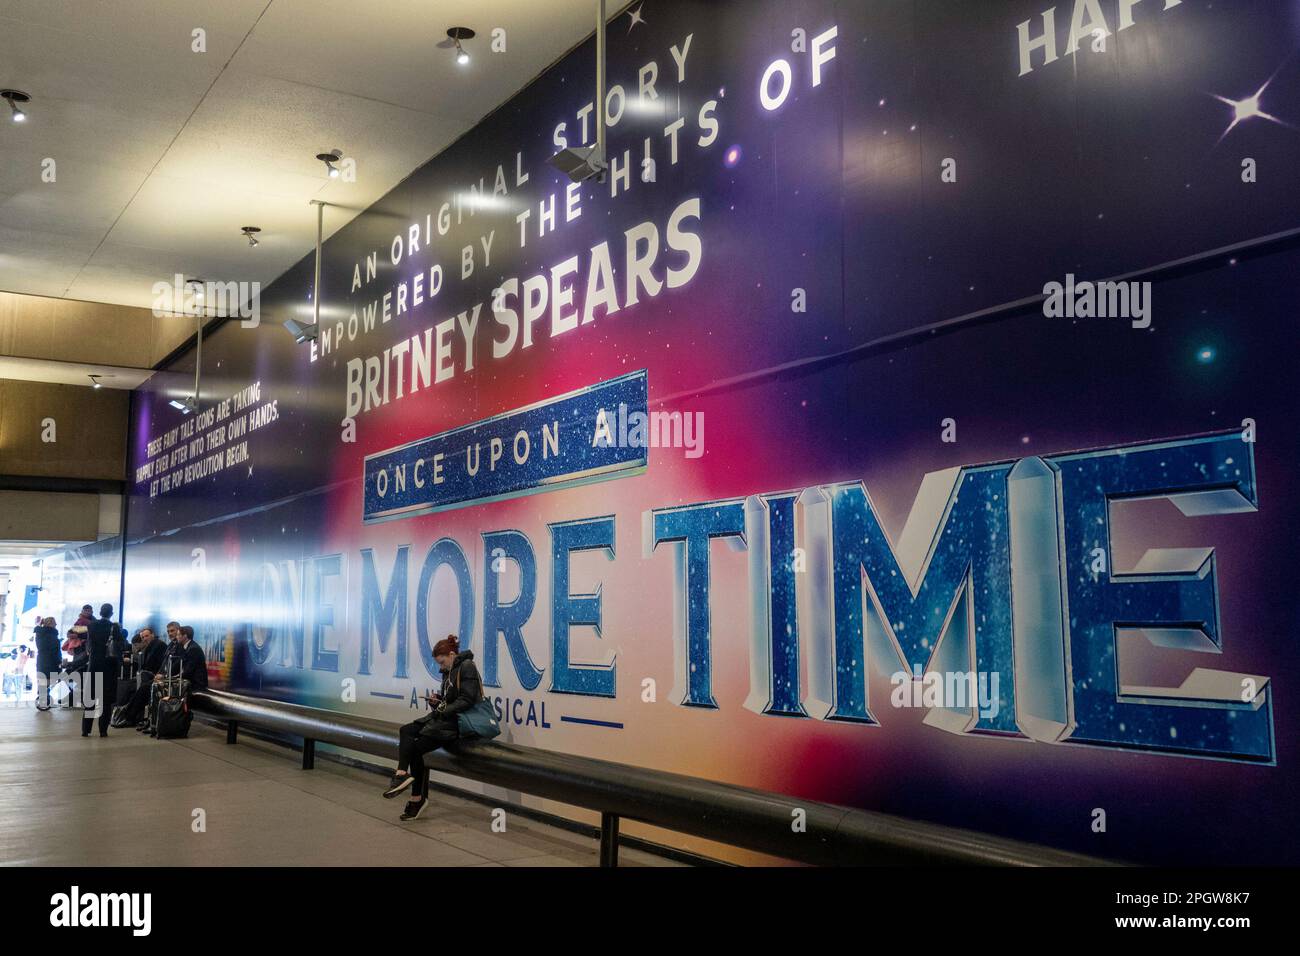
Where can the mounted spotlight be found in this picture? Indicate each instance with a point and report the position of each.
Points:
(455, 35)
(189, 404)
(588, 162)
(197, 288)
(13, 98)
(95, 382)
(329, 159)
(582, 163)
(301, 331)
(250, 233)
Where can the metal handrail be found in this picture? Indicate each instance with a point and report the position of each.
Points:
(737, 816)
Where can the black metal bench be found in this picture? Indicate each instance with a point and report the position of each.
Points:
(737, 816)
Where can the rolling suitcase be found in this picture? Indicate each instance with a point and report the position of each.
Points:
(173, 719)
(173, 716)
(125, 685)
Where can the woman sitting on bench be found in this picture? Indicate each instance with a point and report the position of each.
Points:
(461, 689)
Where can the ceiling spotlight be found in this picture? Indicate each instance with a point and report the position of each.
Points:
(329, 159)
(95, 382)
(13, 98)
(186, 405)
(301, 331)
(250, 233)
(580, 163)
(456, 34)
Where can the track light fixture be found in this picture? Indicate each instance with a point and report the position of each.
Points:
(95, 382)
(250, 233)
(581, 163)
(189, 404)
(13, 98)
(456, 34)
(301, 331)
(329, 159)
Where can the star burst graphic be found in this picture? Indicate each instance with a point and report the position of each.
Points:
(1248, 108)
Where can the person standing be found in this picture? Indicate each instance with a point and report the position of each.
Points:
(106, 642)
(14, 674)
(48, 660)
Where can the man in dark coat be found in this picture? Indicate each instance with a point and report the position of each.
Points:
(186, 659)
(149, 663)
(106, 643)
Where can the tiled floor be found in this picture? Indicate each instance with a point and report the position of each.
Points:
(127, 800)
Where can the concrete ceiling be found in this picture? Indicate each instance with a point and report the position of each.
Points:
(162, 154)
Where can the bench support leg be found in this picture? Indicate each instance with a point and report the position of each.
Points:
(308, 754)
(608, 839)
(232, 731)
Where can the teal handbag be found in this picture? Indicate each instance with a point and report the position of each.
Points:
(481, 719)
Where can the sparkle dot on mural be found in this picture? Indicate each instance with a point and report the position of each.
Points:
(731, 158)
(1205, 355)
(1024, 439)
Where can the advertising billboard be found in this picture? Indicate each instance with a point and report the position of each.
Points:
(905, 420)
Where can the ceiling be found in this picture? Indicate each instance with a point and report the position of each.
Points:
(53, 372)
(162, 154)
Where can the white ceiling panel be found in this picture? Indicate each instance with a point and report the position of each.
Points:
(163, 153)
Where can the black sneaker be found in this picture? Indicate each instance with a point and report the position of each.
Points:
(398, 784)
(413, 809)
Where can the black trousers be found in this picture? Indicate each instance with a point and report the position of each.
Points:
(417, 739)
(102, 689)
(135, 707)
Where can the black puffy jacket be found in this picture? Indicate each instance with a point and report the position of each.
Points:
(47, 649)
(461, 689)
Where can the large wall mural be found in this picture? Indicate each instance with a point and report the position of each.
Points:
(906, 421)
